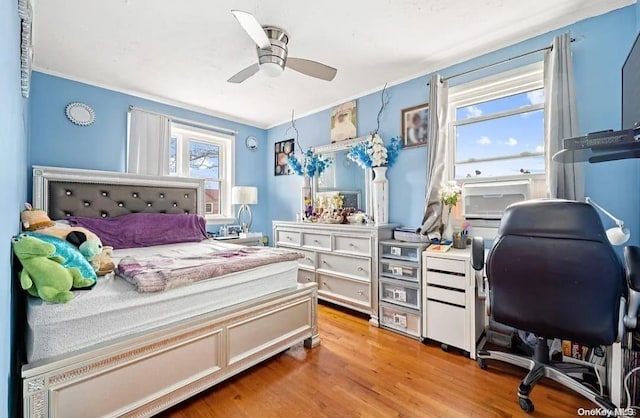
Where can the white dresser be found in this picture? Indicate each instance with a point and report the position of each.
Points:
(453, 314)
(342, 259)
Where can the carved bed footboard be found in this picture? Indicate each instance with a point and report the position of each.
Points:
(145, 374)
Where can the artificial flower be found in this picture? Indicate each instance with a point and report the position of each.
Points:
(311, 165)
(373, 153)
(450, 192)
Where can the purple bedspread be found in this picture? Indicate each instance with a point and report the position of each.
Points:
(144, 229)
(157, 273)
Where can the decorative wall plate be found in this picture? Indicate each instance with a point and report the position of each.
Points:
(80, 114)
(251, 142)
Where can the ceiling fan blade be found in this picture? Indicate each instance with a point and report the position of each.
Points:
(244, 74)
(251, 25)
(312, 68)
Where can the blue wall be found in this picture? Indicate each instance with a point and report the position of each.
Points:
(13, 159)
(101, 146)
(602, 45)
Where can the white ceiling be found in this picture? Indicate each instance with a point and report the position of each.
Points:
(183, 52)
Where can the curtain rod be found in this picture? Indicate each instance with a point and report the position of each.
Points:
(189, 122)
(499, 62)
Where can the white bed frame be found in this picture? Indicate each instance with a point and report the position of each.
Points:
(144, 374)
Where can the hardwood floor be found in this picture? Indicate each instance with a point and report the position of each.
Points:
(359, 370)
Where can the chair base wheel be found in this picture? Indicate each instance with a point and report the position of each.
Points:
(444, 347)
(482, 363)
(526, 405)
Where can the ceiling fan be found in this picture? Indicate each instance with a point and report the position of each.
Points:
(272, 50)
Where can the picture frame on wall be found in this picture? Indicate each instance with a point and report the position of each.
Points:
(415, 125)
(282, 151)
(343, 122)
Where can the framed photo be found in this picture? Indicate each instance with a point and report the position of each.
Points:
(415, 125)
(282, 151)
(343, 122)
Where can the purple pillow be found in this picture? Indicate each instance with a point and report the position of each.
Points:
(144, 229)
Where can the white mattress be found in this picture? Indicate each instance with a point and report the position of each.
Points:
(113, 308)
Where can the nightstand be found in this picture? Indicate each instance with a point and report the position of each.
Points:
(251, 241)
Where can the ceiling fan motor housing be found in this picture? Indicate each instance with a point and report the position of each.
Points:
(273, 60)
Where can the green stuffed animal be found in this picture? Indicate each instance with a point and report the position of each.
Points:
(43, 274)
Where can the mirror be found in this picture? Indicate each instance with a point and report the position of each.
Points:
(343, 176)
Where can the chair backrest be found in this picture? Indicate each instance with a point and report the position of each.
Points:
(553, 272)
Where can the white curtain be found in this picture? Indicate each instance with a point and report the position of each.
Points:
(437, 149)
(148, 136)
(566, 180)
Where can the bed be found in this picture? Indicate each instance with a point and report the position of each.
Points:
(206, 331)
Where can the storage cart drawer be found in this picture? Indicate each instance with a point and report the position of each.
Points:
(399, 270)
(400, 319)
(446, 264)
(350, 266)
(352, 245)
(446, 295)
(402, 293)
(446, 323)
(288, 237)
(448, 280)
(399, 251)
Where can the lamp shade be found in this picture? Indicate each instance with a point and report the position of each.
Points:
(244, 195)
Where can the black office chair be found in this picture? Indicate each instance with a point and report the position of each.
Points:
(552, 272)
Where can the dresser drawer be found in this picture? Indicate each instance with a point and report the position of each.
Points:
(448, 280)
(352, 245)
(399, 292)
(309, 260)
(399, 270)
(316, 241)
(399, 251)
(447, 264)
(288, 237)
(353, 291)
(401, 319)
(446, 323)
(350, 266)
(446, 295)
(306, 276)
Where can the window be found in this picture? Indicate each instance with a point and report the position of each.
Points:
(497, 125)
(199, 153)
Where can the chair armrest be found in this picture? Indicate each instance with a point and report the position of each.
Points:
(632, 265)
(477, 253)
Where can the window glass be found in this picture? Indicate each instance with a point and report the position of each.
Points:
(534, 97)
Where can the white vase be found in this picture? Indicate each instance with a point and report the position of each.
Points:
(305, 192)
(380, 195)
(447, 233)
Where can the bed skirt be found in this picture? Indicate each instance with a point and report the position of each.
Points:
(142, 375)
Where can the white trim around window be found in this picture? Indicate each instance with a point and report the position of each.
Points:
(508, 83)
(226, 144)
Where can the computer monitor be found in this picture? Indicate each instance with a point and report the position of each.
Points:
(631, 87)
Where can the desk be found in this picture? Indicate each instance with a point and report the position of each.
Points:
(453, 313)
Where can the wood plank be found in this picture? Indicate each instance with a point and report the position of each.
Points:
(359, 370)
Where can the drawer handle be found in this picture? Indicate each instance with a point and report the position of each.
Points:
(308, 279)
(324, 283)
(324, 262)
(316, 241)
(351, 244)
(360, 268)
(308, 259)
(360, 292)
(288, 238)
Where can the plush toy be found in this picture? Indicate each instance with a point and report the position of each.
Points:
(71, 255)
(87, 242)
(43, 274)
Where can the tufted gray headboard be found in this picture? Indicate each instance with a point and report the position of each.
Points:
(65, 192)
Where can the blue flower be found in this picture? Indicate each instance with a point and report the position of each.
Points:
(361, 153)
(311, 165)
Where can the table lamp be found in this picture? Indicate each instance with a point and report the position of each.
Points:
(617, 235)
(244, 196)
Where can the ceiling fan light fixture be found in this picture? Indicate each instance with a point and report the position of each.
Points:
(271, 69)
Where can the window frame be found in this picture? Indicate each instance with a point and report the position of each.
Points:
(226, 144)
(506, 83)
